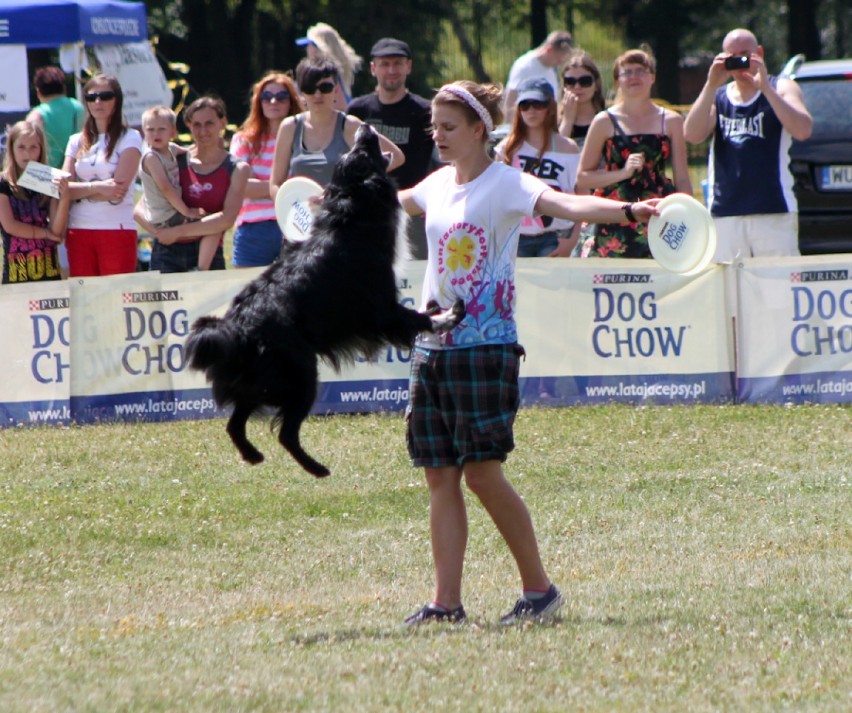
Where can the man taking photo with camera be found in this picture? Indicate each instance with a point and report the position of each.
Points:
(753, 120)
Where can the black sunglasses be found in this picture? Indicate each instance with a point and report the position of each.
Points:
(322, 88)
(268, 96)
(531, 104)
(586, 81)
(104, 96)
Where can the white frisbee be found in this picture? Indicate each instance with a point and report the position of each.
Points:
(682, 238)
(293, 210)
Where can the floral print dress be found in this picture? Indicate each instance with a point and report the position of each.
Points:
(631, 239)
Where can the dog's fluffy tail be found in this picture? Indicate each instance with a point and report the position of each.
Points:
(212, 347)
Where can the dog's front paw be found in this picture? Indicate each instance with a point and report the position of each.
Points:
(447, 319)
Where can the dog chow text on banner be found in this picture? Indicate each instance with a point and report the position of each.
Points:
(602, 330)
(794, 330)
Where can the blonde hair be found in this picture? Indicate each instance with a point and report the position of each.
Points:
(159, 111)
(11, 172)
(329, 42)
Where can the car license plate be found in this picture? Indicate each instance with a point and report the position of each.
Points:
(836, 178)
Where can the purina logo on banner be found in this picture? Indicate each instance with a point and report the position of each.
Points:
(795, 330)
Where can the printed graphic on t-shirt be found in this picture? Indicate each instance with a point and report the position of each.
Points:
(28, 260)
(461, 252)
(740, 128)
(31, 260)
(547, 170)
(398, 134)
(198, 189)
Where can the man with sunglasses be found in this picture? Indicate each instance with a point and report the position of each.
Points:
(404, 117)
(541, 62)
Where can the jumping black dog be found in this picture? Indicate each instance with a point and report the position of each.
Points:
(333, 296)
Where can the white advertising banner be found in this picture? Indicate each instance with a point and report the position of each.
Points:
(112, 348)
(128, 333)
(140, 75)
(35, 337)
(602, 330)
(794, 330)
(14, 79)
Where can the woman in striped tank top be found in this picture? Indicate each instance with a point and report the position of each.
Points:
(257, 239)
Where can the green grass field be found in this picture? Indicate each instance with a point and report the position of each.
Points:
(704, 553)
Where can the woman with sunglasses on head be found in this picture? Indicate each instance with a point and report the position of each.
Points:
(637, 140)
(257, 238)
(582, 96)
(534, 146)
(103, 160)
(310, 143)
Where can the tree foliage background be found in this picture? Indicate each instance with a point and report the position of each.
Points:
(229, 44)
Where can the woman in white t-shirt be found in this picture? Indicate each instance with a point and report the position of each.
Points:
(103, 160)
(535, 146)
(464, 384)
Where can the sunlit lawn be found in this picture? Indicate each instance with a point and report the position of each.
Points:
(704, 553)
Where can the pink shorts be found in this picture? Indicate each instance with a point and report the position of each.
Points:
(100, 252)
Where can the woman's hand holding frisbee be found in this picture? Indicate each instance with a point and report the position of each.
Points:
(681, 236)
(645, 210)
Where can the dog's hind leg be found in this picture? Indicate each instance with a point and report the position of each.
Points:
(236, 429)
(292, 415)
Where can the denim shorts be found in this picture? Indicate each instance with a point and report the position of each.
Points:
(256, 244)
(181, 257)
(540, 245)
(462, 404)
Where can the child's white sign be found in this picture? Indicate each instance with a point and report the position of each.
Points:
(41, 178)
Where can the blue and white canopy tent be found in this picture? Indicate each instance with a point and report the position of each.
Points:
(110, 27)
(52, 23)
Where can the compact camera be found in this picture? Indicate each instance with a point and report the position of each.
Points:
(737, 62)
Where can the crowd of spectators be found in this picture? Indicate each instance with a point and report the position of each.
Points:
(559, 129)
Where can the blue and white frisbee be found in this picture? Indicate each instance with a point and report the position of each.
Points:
(682, 238)
(293, 209)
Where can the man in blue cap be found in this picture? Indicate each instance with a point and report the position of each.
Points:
(404, 117)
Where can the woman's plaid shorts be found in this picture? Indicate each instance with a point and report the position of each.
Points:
(462, 404)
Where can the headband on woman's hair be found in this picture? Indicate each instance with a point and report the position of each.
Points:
(472, 102)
